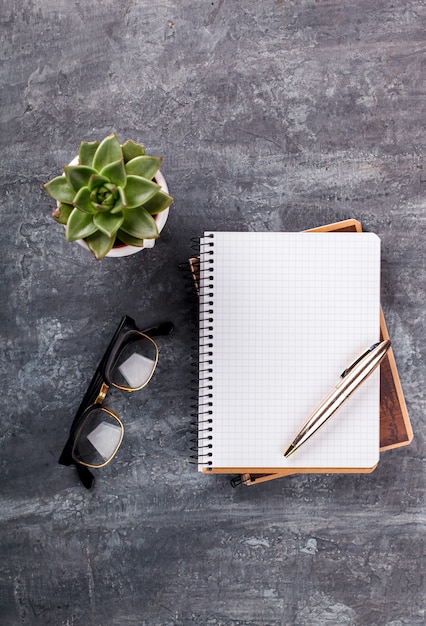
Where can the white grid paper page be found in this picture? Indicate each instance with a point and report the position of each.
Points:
(290, 312)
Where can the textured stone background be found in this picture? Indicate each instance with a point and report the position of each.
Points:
(273, 115)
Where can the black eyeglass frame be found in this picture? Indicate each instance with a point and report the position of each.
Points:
(100, 384)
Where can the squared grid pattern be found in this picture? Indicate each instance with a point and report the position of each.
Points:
(290, 312)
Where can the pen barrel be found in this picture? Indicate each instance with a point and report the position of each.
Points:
(354, 377)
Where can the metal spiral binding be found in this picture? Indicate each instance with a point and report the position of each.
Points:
(191, 275)
(201, 430)
(205, 359)
(189, 272)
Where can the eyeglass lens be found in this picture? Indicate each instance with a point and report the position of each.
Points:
(135, 363)
(98, 438)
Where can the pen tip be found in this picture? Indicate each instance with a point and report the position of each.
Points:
(289, 450)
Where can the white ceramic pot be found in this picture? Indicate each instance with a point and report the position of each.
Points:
(160, 218)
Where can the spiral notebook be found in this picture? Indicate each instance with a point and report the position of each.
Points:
(275, 333)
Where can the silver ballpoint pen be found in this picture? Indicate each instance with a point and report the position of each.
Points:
(351, 379)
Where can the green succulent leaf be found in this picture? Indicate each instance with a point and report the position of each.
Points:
(108, 223)
(145, 166)
(83, 201)
(126, 238)
(62, 213)
(78, 176)
(122, 194)
(60, 189)
(140, 224)
(109, 150)
(96, 181)
(139, 190)
(86, 152)
(116, 173)
(121, 202)
(160, 202)
(100, 244)
(79, 226)
(131, 149)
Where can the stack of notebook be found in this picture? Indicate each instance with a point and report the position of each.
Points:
(281, 316)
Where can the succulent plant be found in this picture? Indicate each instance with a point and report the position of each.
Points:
(109, 196)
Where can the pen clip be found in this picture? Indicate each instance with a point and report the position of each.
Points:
(357, 360)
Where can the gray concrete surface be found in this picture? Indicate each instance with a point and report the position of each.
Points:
(273, 115)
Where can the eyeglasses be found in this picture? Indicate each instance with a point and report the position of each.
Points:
(128, 364)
